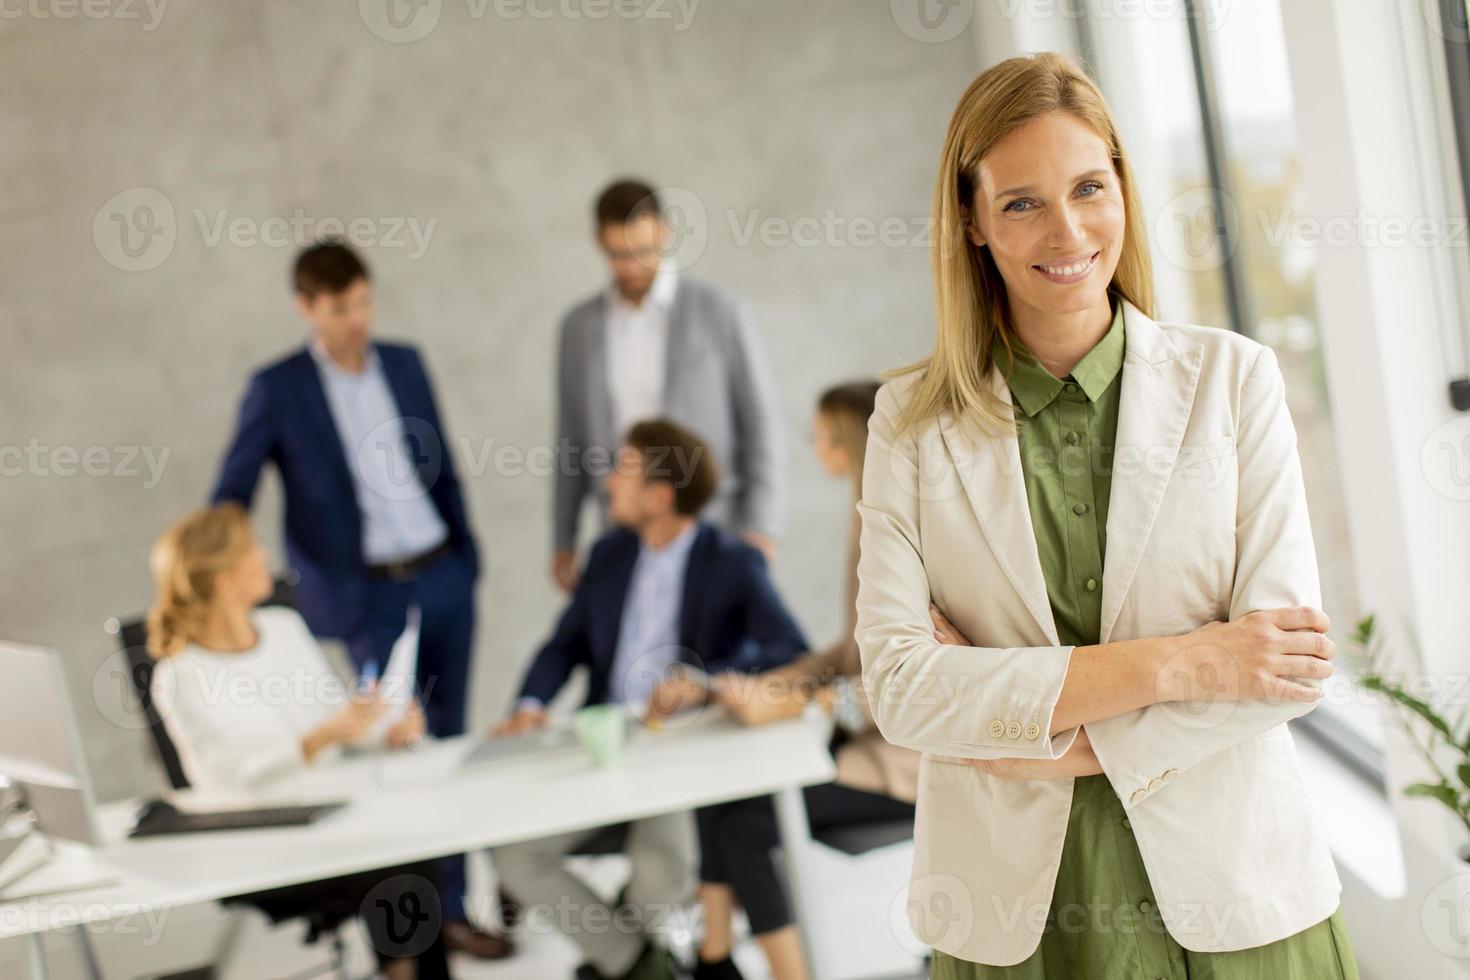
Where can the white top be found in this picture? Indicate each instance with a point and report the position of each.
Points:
(238, 718)
(637, 345)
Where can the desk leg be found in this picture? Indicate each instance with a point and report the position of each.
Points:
(795, 840)
(89, 956)
(36, 955)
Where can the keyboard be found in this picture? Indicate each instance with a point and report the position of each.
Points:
(163, 818)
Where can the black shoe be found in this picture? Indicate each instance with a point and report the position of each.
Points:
(717, 970)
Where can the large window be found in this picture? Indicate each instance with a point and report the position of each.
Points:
(1208, 120)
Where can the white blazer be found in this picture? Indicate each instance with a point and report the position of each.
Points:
(1207, 520)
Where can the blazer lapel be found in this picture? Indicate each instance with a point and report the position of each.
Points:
(696, 575)
(676, 343)
(1159, 382)
(314, 396)
(597, 386)
(989, 468)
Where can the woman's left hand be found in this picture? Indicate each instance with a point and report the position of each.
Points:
(945, 631)
(1080, 760)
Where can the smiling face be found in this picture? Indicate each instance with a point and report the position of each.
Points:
(1050, 208)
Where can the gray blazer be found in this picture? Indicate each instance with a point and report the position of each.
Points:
(718, 384)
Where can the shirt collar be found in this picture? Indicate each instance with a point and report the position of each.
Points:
(660, 293)
(675, 550)
(325, 362)
(1034, 387)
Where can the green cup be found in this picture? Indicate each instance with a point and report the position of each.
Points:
(601, 727)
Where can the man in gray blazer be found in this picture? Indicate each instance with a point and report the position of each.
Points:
(658, 342)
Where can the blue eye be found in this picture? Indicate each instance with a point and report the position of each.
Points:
(1092, 183)
(1012, 206)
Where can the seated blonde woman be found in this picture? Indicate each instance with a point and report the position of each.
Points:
(875, 781)
(248, 697)
(246, 693)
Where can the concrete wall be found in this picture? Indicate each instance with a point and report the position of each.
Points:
(490, 134)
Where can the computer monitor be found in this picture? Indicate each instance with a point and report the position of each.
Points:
(40, 743)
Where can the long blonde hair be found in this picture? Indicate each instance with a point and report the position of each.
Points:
(969, 293)
(185, 562)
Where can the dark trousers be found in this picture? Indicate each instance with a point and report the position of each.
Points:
(399, 906)
(445, 595)
(736, 840)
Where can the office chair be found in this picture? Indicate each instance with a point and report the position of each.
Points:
(324, 918)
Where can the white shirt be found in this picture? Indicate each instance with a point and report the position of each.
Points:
(237, 718)
(399, 519)
(637, 348)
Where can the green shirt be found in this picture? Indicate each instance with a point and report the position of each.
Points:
(1066, 429)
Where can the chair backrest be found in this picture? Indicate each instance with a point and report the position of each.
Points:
(132, 635)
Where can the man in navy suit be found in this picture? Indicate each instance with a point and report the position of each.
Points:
(662, 590)
(375, 520)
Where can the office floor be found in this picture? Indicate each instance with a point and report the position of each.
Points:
(187, 937)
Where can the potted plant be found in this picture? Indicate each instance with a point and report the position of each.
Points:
(1447, 747)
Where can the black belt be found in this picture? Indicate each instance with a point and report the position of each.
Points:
(408, 568)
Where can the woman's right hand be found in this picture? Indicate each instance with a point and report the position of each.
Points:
(1258, 656)
(352, 722)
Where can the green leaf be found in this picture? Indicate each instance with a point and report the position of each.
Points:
(1443, 792)
(1394, 692)
(1463, 771)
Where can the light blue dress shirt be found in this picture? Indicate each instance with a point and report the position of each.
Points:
(648, 633)
(399, 519)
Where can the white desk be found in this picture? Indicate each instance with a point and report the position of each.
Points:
(411, 807)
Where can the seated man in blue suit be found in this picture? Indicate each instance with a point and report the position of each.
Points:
(375, 520)
(660, 590)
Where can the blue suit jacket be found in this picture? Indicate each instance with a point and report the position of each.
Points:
(285, 419)
(731, 617)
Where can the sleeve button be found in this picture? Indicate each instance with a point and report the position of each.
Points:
(997, 728)
(1033, 731)
(1013, 730)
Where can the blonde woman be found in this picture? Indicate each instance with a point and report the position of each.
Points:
(248, 697)
(1109, 512)
(876, 781)
(246, 694)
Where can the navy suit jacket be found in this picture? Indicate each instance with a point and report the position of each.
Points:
(731, 617)
(285, 419)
